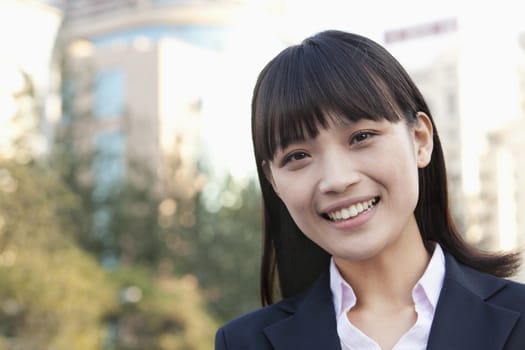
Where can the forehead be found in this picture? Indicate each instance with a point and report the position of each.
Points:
(302, 91)
(308, 128)
(298, 130)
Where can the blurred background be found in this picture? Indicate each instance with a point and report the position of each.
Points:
(129, 209)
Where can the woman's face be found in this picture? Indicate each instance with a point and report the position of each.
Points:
(354, 187)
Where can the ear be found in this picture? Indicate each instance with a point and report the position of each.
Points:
(423, 139)
(268, 174)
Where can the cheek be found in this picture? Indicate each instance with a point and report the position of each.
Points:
(399, 174)
(298, 204)
(295, 191)
(294, 200)
(405, 183)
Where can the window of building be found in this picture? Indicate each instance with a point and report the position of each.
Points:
(109, 93)
(109, 164)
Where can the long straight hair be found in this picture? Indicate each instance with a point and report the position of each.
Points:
(335, 73)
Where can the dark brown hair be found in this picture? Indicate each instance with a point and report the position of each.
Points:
(347, 75)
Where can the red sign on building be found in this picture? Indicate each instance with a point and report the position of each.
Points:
(422, 30)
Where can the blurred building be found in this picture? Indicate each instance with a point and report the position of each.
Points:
(503, 188)
(28, 30)
(136, 82)
(137, 67)
(503, 177)
(478, 105)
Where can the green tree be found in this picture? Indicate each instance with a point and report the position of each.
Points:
(222, 248)
(159, 311)
(52, 293)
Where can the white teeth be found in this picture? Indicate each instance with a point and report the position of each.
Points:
(351, 211)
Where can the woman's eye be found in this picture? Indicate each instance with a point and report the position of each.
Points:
(361, 136)
(296, 156)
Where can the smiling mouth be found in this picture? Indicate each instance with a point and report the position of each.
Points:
(351, 211)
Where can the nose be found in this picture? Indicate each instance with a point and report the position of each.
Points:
(338, 174)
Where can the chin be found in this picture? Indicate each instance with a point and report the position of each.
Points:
(360, 252)
(355, 256)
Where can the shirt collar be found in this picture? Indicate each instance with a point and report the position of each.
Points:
(431, 282)
(342, 294)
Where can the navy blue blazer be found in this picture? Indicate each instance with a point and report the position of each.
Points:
(475, 311)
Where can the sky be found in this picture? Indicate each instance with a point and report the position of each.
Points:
(25, 48)
(370, 18)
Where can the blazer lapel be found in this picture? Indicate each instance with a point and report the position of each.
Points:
(464, 319)
(312, 326)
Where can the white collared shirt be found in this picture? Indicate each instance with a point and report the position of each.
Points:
(425, 295)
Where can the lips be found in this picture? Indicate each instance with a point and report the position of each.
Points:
(351, 211)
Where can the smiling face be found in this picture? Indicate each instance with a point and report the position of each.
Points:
(352, 188)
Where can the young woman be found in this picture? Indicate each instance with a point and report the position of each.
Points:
(358, 234)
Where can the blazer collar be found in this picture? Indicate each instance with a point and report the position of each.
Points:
(465, 318)
(312, 326)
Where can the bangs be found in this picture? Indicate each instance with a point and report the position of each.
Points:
(307, 86)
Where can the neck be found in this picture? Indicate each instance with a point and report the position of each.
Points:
(387, 279)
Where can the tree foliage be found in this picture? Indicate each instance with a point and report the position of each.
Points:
(161, 312)
(223, 247)
(52, 293)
